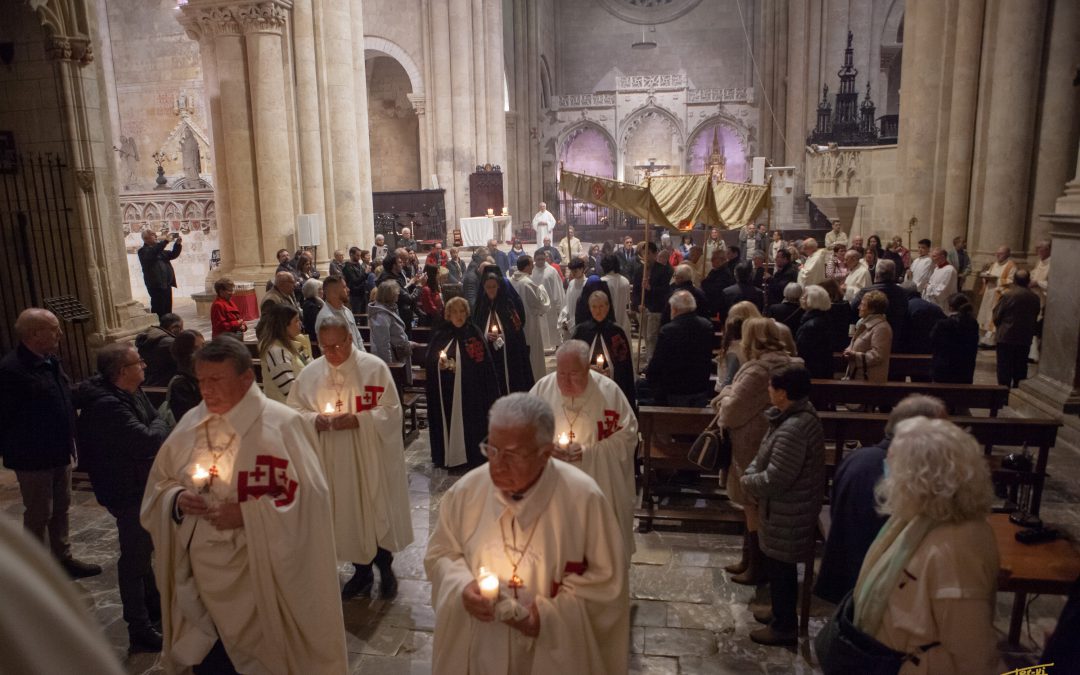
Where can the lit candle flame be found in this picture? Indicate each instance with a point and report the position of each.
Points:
(329, 408)
(564, 440)
(442, 354)
(494, 328)
(489, 584)
(200, 474)
(600, 360)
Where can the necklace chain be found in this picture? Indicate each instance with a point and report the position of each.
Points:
(216, 451)
(566, 416)
(515, 580)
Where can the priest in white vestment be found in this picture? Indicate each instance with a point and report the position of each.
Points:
(942, 282)
(858, 276)
(545, 275)
(545, 540)
(536, 303)
(922, 267)
(575, 281)
(544, 224)
(601, 431)
(996, 280)
(813, 269)
(619, 288)
(348, 397)
(1040, 284)
(239, 512)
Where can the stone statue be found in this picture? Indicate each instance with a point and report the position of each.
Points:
(129, 158)
(189, 149)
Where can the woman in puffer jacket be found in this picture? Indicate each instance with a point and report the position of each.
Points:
(741, 407)
(788, 479)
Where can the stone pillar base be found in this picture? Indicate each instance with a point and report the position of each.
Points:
(1043, 396)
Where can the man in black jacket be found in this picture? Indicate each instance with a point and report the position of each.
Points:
(356, 278)
(158, 274)
(682, 279)
(155, 348)
(714, 283)
(119, 435)
(656, 289)
(897, 315)
(742, 289)
(784, 274)
(38, 422)
(1015, 316)
(678, 373)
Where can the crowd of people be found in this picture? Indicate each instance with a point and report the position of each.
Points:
(246, 496)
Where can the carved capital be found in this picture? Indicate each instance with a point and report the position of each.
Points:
(264, 17)
(206, 20)
(419, 103)
(85, 179)
(66, 30)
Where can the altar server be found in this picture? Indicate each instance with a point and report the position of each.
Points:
(535, 300)
(545, 275)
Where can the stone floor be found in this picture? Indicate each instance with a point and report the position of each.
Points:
(687, 616)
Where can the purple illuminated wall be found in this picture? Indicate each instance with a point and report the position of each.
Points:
(701, 146)
(588, 151)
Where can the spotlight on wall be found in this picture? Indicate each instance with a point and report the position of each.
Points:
(645, 43)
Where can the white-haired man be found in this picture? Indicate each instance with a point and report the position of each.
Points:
(813, 270)
(544, 224)
(596, 430)
(942, 282)
(997, 278)
(544, 533)
(858, 276)
(349, 399)
(545, 276)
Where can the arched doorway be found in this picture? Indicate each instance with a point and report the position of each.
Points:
(394, 127)
(730, 143)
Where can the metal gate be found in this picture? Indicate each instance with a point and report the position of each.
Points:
(42, 249)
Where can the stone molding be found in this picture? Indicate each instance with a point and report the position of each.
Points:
(720, 95)
(419, 103)
(587, 101)
(206, 20)
(650, 82)
(66, 29)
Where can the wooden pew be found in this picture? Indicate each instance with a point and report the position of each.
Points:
(825, 393)
(901, 366)
(409, 403)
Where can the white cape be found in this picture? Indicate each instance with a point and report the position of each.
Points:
(270, 588)
(365, 467)
(619, 287)
(573, 571)
(606, 428)
(544, 223)
(548, 278)
(536, 302)
(569, 311)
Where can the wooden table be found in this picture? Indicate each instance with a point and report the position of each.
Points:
(1049, 568)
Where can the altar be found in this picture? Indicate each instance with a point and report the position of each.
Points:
(479, 230)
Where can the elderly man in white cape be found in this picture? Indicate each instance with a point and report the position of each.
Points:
(527, 567)
(813, 270)
(349, 398)
(595, 428)
(239, 512)
(544, 224)
(545, 275)
(536, 302)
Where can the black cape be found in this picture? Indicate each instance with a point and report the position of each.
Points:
(512, 361)
(479, 389)
(616, 350)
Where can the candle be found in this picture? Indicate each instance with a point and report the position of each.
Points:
(329, 408)
(564, 440)
(200, 478)
(489, 584)
(491, 212)
(495, 329)
(600, 361)
(506, 211)
(442, 354)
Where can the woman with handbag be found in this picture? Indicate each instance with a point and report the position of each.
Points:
(741, 410)
(924, 601)
(871, 346)
(788, 478)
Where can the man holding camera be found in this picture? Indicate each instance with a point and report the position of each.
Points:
(158, 274)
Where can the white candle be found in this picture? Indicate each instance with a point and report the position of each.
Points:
(506, 211)
(442, 354)
(564, 440)
(495, 329)
(489, 584)
(200, 478)
(600, 360)
(329, 408)
(491, 212)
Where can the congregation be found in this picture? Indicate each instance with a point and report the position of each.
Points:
(271, 461)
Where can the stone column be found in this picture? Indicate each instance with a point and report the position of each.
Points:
(442, 110)
(461, 100)
(496, 92)
(419, 104)
(360, 232)
(480, 65)
(263, 25)
(1006, 127)
(313, 199)
(797, 92)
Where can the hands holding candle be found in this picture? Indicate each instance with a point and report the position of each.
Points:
(567, 450)
(445, 362)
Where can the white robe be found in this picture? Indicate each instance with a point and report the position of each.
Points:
(1040, 279)
(268, 589)
(544, 224)
(568, 314)
(921, 270)
(572, 570)
(856, 280)
(619, 287)
(606, 428)
(536, 302)
(547, 277)
(998, 278)
(940, 286)
(813, 270)
(365, 467)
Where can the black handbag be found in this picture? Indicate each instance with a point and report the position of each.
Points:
(712, 449)
(842, 648)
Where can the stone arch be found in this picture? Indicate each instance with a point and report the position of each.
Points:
(545, 84)
(385, 47)
(650, 114)
(736, 139)
(568, 135)
(393, 122)
(892, 31)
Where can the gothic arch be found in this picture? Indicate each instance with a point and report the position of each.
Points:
(892, 31)
(545, 84)
(567, 136)
(725, 120)
(384, 47)
(650, 109)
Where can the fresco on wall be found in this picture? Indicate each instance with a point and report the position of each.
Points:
(736, 169)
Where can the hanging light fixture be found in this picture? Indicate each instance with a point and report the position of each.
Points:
(645, 43)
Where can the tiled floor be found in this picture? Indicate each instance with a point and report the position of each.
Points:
(687, 616)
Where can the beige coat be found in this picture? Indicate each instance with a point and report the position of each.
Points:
(870, 349)
(742, 406)
(946, 594)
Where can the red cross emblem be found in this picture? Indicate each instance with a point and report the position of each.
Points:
(607, 426)
(268, 478)
(370, 398)
(572, 567)
(598, 191)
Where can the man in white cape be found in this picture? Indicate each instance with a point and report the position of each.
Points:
(942, 282)
(546, 540)
(348, 397)
(239, 512)
(858, 276)
(544, 224)
(575, 281)
(595, 429)
(619, 288)
(546, 276)
(536, 303)
(813, 270)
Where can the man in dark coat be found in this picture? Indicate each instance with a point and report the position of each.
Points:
(923, 315)
(158, 274)
(742, 289)
(678, 372)
(1015, 316)
(155, 348)
(500, 257)
(897, 314)
(657, 288)
(38, 442)
(119, 435)
(682, 279)
(853, 508)
(714, 283)
(784, 274)
(356, 278)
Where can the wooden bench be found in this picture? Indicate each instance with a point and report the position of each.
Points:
(824, 393)
(990, 432)
(409, 403)
(901, 366)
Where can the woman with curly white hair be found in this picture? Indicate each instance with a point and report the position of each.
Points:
(927, 585)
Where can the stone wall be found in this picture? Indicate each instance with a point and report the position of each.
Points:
(858, 186)
(30, 105)
(394, 128)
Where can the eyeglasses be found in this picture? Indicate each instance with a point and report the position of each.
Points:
(492, 453)
(141, 363)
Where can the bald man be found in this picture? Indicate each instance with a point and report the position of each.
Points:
(38, 419)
